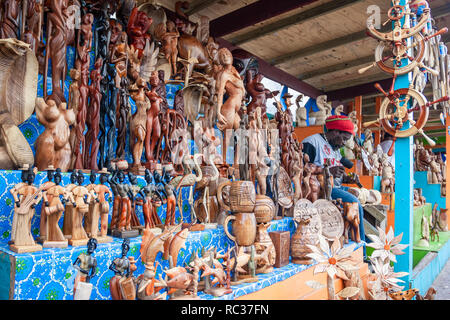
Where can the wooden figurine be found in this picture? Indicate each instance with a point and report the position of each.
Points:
(152, 195)
(138, 25)
(301, 112)
(73, 103)
(13, 191)
(148, 288)
(387, 177)
(435, 169)
(69, 200)
(56, 48)
(228, 81)
(45, 186)
(53, 145)
(264, 245)
(32, 14)
(122, 286)
(86, 264)
(81, 199)
(29, 196)
(169, 37)
(351, 222)
(123, 223)
(138, 127)
(324, 110)
(135, 190)
(9, 22)
(92, 143)
(53, 210)
(153, 126)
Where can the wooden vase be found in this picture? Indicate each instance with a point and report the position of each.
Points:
(264, 209)
(243, 227)
(242, 196)
(309, 226)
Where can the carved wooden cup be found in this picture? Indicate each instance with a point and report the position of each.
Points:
(242, 197)
(243, 227)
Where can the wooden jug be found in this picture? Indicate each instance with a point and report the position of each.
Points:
(243, 226)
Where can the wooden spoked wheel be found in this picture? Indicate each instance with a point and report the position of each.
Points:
(389, 55)
(398, 119)
(396, 12)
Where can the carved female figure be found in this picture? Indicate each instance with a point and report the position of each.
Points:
(56, 48)
(81, 197)
(93, 121)
(54, 208)
(29, 196)
(151, 218)
(153, 127)
(123, 117)
(52, 146)
(138, 127)
(228, 81)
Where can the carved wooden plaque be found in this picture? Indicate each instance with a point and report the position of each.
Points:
(281, 241)
(285, 190)
(332, 221)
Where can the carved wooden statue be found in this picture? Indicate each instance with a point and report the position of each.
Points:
(86, 264)
(301, 112)
(81, 198)
(29, 196)
(138, 128)
(122, 282)
(33, 23)
(53, 209)
(93, 121)
(324, 110)
(228, 81)
(53, 146)
(9, 22)
(13, 191)
(153, 127)
(138, 25)
(387, 177)
(351, 222)
(57, 41)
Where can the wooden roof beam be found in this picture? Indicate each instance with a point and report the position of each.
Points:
(336, 67)
(315, 49)
(254, 13)
(301, 17)
(199, 5)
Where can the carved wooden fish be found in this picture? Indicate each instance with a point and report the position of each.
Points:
(403, 295)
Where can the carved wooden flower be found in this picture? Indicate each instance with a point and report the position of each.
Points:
(386, 245)
(387, 279)
(332, 260)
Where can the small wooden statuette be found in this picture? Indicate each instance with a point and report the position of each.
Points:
(351, 222)
(281, 242)
(68, 198)
(29, 196)
(53, 209)
(98, 208)
(86, 264)
(122, 285)
(81, 198)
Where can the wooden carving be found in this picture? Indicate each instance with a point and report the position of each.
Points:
(53, 146)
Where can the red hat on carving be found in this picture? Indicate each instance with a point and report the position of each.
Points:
(342, 123)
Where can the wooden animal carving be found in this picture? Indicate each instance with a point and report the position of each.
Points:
(403, 295)
(351, 222)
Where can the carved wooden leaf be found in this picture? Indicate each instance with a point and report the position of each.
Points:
(315, 284)
(348, 292)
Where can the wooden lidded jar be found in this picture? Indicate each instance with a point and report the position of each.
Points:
(309, 226)
(264, 209)
(242, 196)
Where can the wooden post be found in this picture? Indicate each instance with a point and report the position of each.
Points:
(377, 133)
(358, 109)
(404, 187)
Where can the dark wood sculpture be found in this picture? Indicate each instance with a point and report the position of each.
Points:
(152, 127)
(52, 146)
(86, 264)
(123, 118)
(9, 22)
(32, 24)
(57, 41)
(172, 144)
(138, 25)
(169, 37)
(93, 121)
(122, 285)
